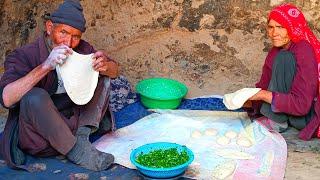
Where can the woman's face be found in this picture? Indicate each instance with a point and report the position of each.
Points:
(278, 34)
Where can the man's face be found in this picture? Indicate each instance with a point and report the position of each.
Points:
(63, 34)
(277, 34)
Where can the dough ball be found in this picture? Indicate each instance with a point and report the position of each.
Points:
(244, 142)
(211, 132)
(196, 134)
(224, 170)
(231, 134)
(223, 140)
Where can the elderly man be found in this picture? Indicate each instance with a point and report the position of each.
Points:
(42, 120)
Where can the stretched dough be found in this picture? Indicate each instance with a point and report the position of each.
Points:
(236, 100)
(79, 78)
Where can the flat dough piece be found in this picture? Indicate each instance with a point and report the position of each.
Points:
(236, 100)
(79, 78)
(233, 154)
(267, 162)
(224, 170)
(223, 140)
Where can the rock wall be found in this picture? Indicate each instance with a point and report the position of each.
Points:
(214, 47)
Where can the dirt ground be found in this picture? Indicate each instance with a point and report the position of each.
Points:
(303, 157)
(303, 165)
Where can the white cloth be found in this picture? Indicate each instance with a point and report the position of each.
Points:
(236, 99)
(201, 131)
(79, 78)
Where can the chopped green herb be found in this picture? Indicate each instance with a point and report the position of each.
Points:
(163, 158)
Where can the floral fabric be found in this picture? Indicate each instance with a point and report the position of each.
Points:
(121, 94)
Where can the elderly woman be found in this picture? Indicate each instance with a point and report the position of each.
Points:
(289, 79)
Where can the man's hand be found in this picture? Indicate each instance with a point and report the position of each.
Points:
(57, 56)
(100, 62)
(104, 65)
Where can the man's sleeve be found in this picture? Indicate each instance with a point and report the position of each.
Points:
(15, 68)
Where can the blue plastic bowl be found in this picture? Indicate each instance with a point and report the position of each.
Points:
(161, 172)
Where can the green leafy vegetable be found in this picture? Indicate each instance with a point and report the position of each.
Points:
(163, 158)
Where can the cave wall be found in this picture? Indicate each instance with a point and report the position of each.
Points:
(212, 46)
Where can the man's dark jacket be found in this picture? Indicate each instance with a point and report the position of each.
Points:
(18, 64)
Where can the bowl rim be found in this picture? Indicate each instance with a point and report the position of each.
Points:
(182, 86)
(135, 151)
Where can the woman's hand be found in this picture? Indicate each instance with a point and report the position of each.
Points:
(262, 95)
(247, 104)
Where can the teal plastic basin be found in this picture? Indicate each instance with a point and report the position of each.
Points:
(161, 93)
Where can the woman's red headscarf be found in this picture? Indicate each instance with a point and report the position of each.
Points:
(291, 18)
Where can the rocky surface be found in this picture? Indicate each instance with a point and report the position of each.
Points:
(213, 46)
